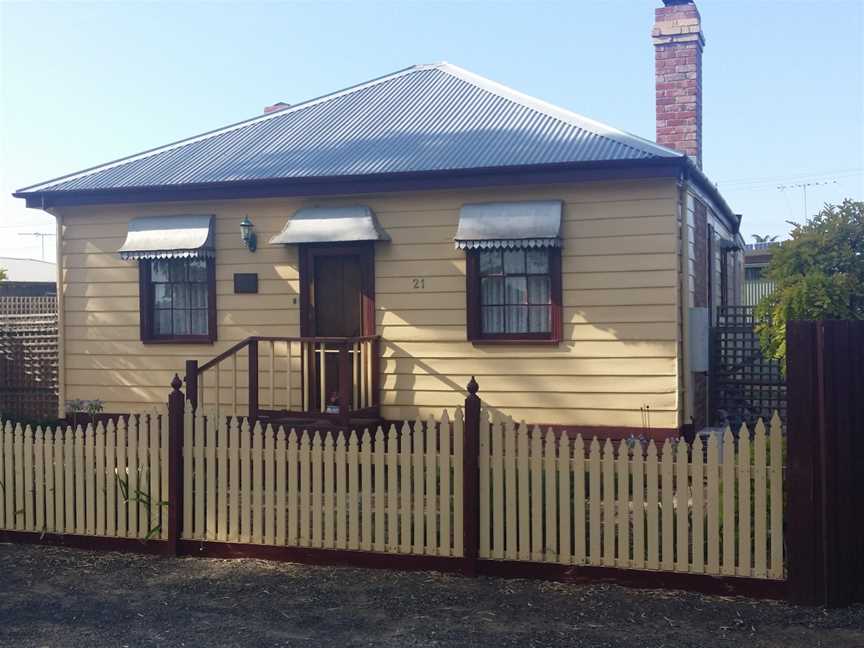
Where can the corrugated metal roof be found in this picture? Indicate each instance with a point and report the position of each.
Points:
(424, 118)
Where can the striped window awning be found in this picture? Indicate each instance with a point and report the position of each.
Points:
(530, 224)
(331, 225)
(169, 237)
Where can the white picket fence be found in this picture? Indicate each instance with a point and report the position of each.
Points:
(544, 498)
(108, 481)
(377, 491)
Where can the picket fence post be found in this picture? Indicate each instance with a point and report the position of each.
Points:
(176, 404)
(470, 480)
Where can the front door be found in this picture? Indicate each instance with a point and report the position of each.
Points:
(337, 285)
(338, 296)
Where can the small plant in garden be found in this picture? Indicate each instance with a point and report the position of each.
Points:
(78, 406)
(634, 441)
(142, 498)
(93, 408)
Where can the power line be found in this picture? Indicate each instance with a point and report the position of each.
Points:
(769, 180)
(796, 175)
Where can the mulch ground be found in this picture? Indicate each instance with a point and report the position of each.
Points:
(61, 597)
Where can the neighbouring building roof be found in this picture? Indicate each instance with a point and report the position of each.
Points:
(423, 118)
(29, 270)
(759, 254)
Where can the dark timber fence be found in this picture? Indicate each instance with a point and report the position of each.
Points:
(825, 494)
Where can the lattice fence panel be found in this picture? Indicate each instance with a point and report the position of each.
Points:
(28, 357)
(744, 384)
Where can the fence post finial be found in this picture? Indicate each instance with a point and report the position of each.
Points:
(176, 383)
(473, 387)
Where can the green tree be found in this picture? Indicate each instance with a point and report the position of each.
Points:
(818, 274)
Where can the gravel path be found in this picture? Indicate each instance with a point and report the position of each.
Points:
(58, 597)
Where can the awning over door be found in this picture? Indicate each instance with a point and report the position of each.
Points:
(331, 225)
(511, 224)
(167, 237)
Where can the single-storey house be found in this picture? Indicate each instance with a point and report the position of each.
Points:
(359, 256)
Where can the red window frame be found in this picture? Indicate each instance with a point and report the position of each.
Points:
(147, 311)
(474, 306)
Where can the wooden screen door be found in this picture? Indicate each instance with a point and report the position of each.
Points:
(338, 301)
(338, 298)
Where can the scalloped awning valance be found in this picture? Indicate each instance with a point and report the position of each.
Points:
(528, 224)
(169, 237)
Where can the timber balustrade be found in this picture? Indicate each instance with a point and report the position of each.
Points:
(323, 378)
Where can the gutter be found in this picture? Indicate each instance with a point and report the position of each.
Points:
(388, 182)
(693, 173)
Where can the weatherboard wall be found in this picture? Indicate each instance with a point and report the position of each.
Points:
(620, 304)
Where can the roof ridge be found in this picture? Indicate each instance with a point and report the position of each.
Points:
(230, 127)
(570, 117)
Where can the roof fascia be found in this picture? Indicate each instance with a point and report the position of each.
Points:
(379, 183)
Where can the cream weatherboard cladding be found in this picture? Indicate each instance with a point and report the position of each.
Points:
(620, 302)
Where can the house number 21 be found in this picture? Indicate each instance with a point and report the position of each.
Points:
(419, 284)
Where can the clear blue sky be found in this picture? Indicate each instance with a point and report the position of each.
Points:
(86, 83)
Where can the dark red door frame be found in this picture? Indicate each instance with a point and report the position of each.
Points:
(309, 254)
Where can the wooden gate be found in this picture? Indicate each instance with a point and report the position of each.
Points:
(744, 385)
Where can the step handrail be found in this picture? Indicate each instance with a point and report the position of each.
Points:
(194, 370)
(275, 338)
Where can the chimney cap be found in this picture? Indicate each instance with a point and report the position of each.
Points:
(672, 3)
(279, 105)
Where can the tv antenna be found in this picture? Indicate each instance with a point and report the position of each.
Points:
(41, 235)
(803, 186)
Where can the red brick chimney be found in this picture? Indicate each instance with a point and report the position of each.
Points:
(678, 43)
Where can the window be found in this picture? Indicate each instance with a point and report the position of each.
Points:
(753, 273)
(514, 294)
(177, 300)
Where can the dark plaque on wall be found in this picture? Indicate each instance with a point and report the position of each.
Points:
(245, 282)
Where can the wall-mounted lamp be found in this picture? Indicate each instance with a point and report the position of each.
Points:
(248, 236)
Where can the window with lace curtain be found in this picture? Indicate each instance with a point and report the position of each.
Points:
(514, 294)
(177, 296)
